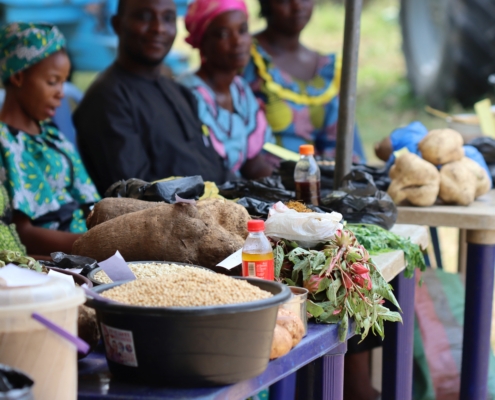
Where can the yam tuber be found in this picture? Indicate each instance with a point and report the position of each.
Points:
(282, 342)
(457, 184)
(112, 207)
(414, 180)
(292, 323)
(441, 146)
(483, 183)
(169, 232)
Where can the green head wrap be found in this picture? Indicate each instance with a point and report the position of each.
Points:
(23, 45)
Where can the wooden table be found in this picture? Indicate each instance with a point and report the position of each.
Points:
(479, 221)
(95, 381)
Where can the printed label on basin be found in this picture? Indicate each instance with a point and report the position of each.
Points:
(119, 346)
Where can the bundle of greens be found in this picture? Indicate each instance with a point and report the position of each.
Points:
(17, 258)
(342, 281)
(378, 240)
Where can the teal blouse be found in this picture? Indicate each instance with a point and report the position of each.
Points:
(44, 172)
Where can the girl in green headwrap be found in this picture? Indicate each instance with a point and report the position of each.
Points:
(41, 170)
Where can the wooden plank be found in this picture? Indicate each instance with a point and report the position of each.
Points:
(478, 215)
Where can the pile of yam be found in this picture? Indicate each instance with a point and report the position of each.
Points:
(203, 234)
(442, 173)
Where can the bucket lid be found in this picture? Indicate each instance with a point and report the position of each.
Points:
(52, 289)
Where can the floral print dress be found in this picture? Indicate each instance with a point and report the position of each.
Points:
(43, 175)
(236, 136)
(300, 112)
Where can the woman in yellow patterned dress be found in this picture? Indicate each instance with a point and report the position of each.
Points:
(298, 86)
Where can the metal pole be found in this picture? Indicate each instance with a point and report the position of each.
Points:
(346, 122)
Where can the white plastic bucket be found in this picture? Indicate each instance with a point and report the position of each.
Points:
(25, 344)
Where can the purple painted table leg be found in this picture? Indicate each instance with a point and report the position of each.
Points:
(285, 389)
(477, 321)
(333, 373)
(398, 344)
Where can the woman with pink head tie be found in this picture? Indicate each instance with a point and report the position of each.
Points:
(226, 105)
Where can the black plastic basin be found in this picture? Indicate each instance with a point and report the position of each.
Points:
(195, 346)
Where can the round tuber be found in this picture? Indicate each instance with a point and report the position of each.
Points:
(282, 342)
(483, 183)
(292, 323)
(414, 180)
(441, 146)
(457, 184)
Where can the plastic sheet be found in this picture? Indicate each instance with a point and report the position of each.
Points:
(307, 229)
(360, 201)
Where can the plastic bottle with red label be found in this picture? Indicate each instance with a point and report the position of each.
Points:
(257, 254)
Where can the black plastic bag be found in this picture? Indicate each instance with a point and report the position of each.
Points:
(359, 201)
(327, 170)
(14, 385)
(256, 207)
(132, 188)
(191, 187)
(486, 146)
(67, 261)
(268, 189)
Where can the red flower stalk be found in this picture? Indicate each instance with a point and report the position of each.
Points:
(312, 283)
(363, 280)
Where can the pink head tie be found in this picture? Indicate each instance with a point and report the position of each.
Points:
(200, 13)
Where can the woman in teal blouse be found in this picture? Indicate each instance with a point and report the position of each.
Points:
(41, 170)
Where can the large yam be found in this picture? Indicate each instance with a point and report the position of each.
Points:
(165, 233)
(113, 207)
(228, 214)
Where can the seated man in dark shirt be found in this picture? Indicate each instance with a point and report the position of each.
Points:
(135, 123)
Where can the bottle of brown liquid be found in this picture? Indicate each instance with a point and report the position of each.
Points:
(307, 176)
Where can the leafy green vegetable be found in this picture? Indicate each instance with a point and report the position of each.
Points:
(342, 282)
(378, 240)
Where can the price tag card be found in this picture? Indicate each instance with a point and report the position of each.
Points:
(232, 261)
(117, 269)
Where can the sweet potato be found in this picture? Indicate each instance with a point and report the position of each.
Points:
(168, 233)
(441, 146)
(282, 342)
(457, 184)
(112, 207)
(414, 180)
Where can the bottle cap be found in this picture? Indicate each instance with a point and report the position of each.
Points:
(256, 225)
(306, 149)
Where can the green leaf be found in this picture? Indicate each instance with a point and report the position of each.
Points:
(314, 309)
(289, 282)
(299, 265)
(318, 262)
(306, 271)
(278, 255)
(343, 328)
(323, 285)
(296, 253)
